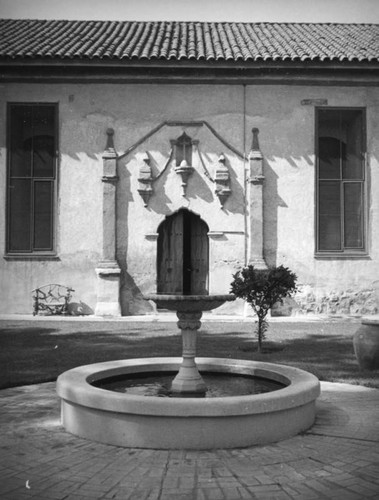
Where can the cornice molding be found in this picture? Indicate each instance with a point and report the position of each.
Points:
(200, 72)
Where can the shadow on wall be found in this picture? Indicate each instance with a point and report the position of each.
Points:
(124, 197)
(289, 307)
(131, 299)
(79, 309)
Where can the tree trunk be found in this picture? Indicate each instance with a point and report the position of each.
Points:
(260, 334)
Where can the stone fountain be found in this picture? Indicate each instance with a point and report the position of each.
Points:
(186, 421)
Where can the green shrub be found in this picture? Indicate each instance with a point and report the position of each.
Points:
(262, 288)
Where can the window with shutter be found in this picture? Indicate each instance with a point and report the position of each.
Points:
(31, 179)
(340, 181)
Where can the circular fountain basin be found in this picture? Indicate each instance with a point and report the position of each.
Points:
(186, 423)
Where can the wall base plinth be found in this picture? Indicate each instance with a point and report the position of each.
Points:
(108, 289)
(258, 263)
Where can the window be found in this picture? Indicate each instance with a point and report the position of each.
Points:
(184, 149)
(340, 181)
(31, 181)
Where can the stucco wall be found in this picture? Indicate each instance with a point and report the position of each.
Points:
(286, 141)
(81, 143)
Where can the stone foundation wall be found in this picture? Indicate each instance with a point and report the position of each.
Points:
(346, 302)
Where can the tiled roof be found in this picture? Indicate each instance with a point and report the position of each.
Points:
(186, 41)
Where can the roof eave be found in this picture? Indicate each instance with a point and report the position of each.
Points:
(188, 63)
(189, 71)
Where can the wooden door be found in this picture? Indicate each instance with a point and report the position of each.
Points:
(199, 257)
(183, 255)
(170, 255)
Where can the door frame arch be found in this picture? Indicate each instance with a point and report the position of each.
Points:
(182, 259)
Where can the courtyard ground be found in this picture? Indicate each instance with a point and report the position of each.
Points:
(338, 458)
(35, 350)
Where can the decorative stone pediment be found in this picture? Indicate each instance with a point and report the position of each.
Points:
(192, 151)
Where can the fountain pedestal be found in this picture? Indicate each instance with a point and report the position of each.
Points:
(188, 380)
(189, 310)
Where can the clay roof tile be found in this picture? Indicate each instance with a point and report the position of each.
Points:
(125, 40)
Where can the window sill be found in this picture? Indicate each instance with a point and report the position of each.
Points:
(342, 256)
(31, 256)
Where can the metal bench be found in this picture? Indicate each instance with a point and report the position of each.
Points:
(51, 299)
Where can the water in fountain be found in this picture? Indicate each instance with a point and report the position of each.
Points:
(218, 385)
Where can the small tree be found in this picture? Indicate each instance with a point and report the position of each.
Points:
(262, 288)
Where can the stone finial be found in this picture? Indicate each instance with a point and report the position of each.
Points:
(256, 160)
(255, 152)
(110, 144)
(145, 180)
(255, 143)
(109, 159)
(222, 180)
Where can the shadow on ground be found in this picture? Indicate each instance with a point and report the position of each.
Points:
(35, 354)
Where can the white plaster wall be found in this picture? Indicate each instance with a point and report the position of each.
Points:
(287, 143)
(287, 140)
(81, 142)
(85, 112)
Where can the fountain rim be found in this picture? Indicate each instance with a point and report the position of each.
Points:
(185, 298)
(182, 303)
(370, 320)
(75, 387)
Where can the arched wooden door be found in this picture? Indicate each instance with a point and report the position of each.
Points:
(182, 258)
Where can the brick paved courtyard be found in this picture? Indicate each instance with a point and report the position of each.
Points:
(338, 458)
